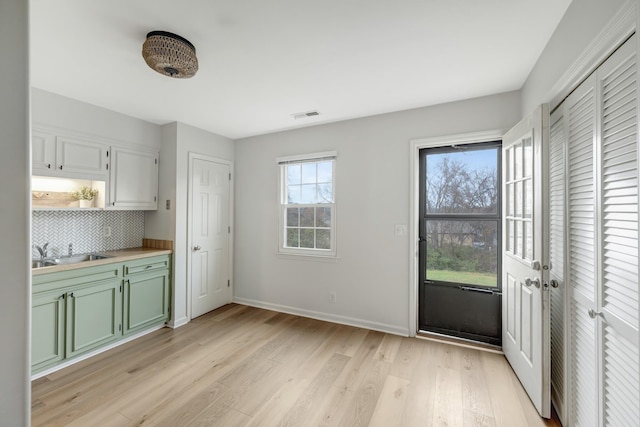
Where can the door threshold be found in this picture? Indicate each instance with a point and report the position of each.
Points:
(460, 342)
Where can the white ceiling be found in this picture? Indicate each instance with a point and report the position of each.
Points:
(263, 60)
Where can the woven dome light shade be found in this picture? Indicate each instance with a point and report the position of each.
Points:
(170, 54)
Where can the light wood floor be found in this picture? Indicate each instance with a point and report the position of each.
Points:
(243, 366)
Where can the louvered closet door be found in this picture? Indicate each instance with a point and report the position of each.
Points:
(580, 114)
(618, 300)
(600, 121)
(557, 195)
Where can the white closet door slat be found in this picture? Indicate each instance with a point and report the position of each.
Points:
(557, 197)
(620, 183)
(580, 113)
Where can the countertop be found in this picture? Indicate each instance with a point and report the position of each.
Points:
(115, 256)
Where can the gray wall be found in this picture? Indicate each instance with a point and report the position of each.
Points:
(15, 216)
(581, 23)
(178, 140)
(371, 275)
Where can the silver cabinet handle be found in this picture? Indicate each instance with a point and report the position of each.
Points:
(529, 282)
(197, 248)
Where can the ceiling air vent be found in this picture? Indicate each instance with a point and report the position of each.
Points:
(305, 115)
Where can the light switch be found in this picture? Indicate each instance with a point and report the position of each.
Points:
(401, 230)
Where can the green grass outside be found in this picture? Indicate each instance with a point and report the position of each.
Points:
(465, 277)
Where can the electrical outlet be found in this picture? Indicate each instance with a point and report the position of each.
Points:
(332, 297)
(106, 231)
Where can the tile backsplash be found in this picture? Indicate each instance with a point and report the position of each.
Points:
(86, 230)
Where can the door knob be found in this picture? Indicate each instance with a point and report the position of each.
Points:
(554, 283)
(529, 282)
(593, 314)
(197, 248)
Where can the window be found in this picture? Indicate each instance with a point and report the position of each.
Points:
(307, 205)
(461, 214)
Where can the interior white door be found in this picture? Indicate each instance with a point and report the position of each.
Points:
(209, 222)
(525, 301)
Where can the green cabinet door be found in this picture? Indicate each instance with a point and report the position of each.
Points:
(94, 316)
(146, 298)
(47, 330)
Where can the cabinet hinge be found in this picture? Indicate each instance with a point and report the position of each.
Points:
(155, 198)
(107, 166)
(107, 153)
(156, 160)
(228, 283)
(229, 176)
(229, 229)
(120, 288)
(120, 327)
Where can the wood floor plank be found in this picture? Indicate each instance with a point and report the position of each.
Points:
(244, 366)
(390, 405)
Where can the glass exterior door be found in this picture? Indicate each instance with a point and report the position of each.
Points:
(460, 242)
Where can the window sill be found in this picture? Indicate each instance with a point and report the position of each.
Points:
(307, 257)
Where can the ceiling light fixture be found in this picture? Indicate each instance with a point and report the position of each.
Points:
(170, 54)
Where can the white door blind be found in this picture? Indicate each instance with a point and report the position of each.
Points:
(581, 117)
(556, 256)
(618, 83)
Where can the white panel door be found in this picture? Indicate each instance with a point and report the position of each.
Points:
(525, 301)
(209, 222)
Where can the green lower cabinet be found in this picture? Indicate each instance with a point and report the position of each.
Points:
(81, 310)
(47, 330)
(93, 317)
(146, 300)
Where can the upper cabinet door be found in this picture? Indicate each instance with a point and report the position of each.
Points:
(43, 149)
(80, 157)
(68, 157)
(134, 179)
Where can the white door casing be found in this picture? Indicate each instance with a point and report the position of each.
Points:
(209, 225)
(525, 301)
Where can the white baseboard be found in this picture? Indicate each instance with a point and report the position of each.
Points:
(95, 352)
(173, 324)
(343, 320)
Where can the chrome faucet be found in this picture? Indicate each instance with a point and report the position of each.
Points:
(42, 250)
(70, 249)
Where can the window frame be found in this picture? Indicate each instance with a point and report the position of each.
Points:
(424, 216)
(283, 204)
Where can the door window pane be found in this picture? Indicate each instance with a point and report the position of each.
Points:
(528, 157)
(464, 182)
(462, 251)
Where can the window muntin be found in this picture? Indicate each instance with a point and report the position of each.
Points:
(307, 205)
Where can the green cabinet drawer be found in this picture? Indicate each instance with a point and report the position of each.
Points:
(145, 265)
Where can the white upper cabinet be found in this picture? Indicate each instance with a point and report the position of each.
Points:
(81, 157)
(68, 157)
(133, 179)
(43, 153)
